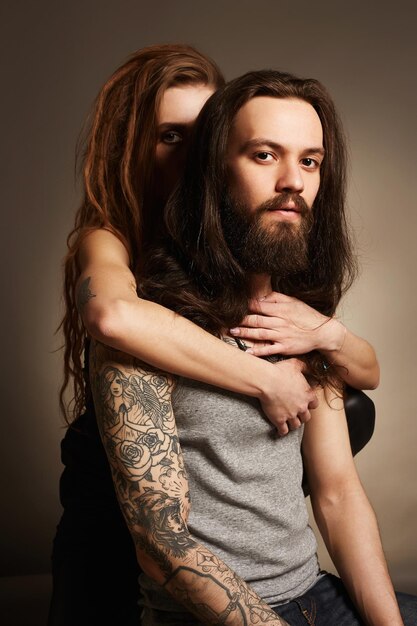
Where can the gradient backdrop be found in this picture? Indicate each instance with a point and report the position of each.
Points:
(56, 57)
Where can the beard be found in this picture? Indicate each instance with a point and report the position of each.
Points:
(278, 248)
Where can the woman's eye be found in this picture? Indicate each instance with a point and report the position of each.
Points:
(263, 156)
(171, 137)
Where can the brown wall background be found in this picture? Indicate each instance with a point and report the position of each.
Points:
(56, 56)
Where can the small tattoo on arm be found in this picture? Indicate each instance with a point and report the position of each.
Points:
(84, 294)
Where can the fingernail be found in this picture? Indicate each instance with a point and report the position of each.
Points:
(249, 351)
(234, 331)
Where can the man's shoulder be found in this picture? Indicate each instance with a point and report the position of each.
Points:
(101, 356)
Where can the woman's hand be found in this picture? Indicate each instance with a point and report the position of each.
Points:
(289, 326)
(287, 397)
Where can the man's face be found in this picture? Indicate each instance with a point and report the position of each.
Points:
(273, 161)
(275, 147)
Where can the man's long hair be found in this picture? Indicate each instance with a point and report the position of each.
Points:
(195, 273)
(118, 162)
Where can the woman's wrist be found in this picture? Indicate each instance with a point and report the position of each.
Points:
(263, 379)
(331, 337)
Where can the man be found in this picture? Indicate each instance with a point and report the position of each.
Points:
(262, 206)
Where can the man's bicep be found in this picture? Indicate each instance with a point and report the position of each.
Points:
(326, 447)
(137, 426)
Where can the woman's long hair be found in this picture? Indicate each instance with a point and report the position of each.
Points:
(117, 167)
(196, 273)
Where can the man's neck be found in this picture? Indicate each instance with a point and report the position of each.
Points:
(260, 285)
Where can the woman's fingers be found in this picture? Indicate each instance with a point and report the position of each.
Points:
(285, 310)
(275, 296)
(304, 417)
(268, 349)
(256, 320)
(255, 334)
(293, 423)
(283, 429)
(263, 307)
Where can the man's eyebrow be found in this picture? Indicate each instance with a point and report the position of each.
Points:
(318, 150)
(261, 141)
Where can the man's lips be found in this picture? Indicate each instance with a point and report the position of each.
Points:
(286, 211)
(286, 205)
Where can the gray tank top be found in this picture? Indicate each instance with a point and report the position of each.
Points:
(247, 504)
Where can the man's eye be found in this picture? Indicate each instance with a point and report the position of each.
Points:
(171, 137)
(310, 163)
(263, 156)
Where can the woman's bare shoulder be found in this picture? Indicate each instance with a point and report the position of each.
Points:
(102, 246)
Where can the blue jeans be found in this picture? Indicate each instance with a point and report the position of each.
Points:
(328, 604)
(325, 604)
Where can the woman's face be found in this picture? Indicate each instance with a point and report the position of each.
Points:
(116, 387)
(179, 108)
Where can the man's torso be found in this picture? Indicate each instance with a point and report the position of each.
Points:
(247, 503)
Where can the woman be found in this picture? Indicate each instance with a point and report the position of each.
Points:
(134, 154)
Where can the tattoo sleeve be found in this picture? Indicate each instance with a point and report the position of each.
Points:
(137, 426)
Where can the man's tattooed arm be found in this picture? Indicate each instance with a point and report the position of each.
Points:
(137, 426)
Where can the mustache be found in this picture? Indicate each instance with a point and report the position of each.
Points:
(277, 203)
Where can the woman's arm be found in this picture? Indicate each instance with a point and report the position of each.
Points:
(293, 327)
(344, 515)
(113, 314)
(137, 426)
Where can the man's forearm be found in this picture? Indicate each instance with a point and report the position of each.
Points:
(209, 589)
(350, 531)
(344, 515)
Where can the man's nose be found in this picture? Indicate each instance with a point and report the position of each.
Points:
(289, 178)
